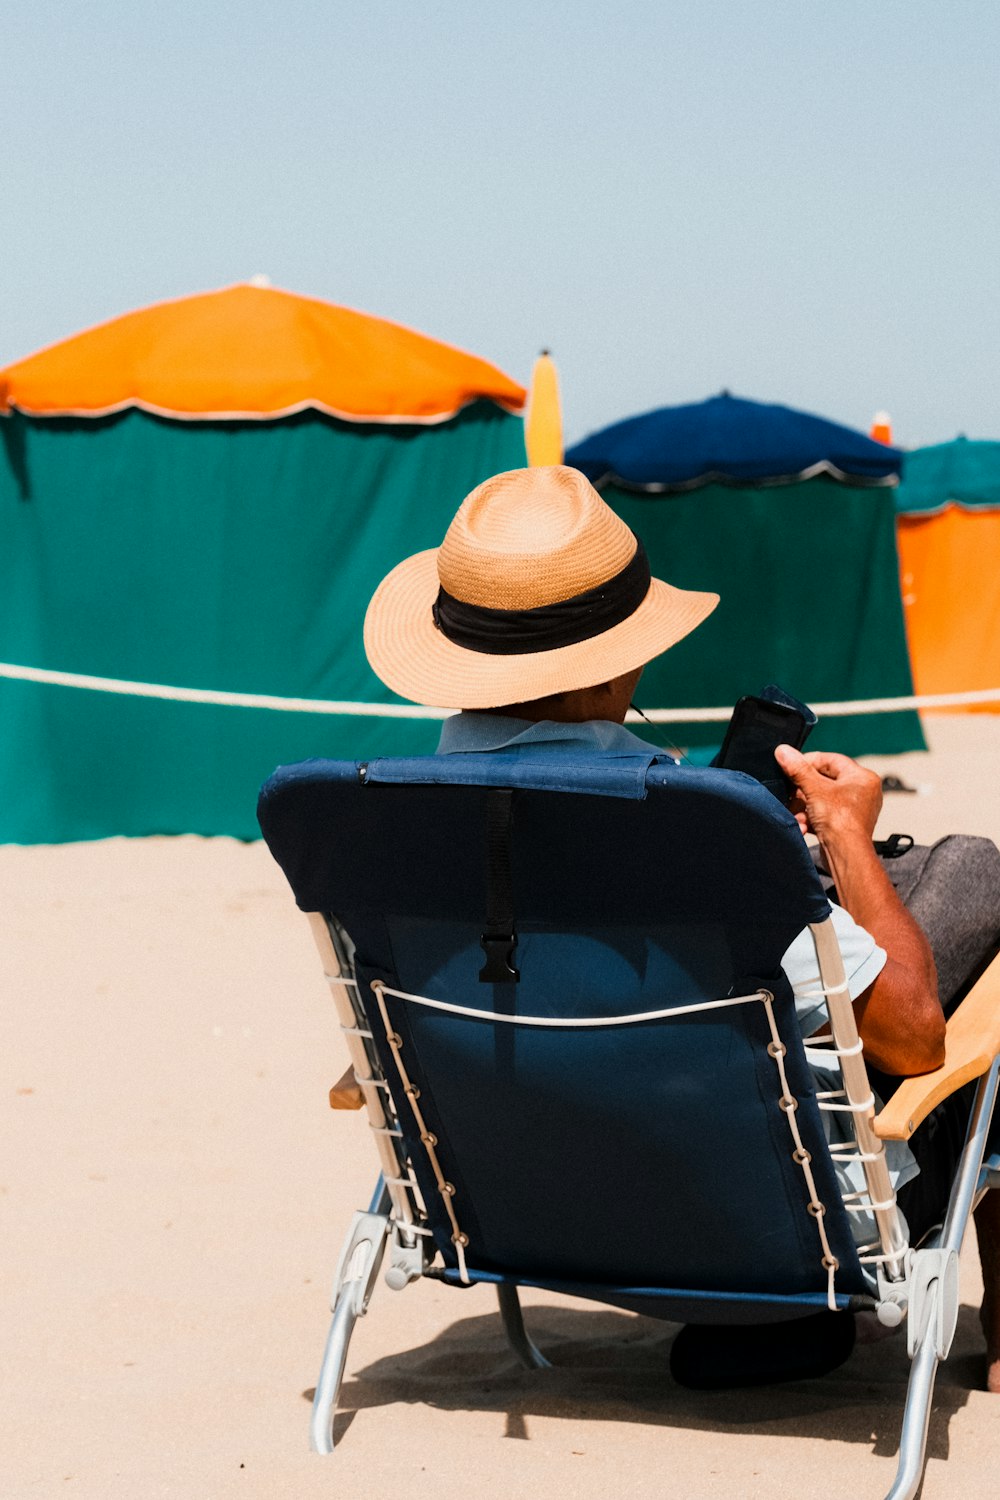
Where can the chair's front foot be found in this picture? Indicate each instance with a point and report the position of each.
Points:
(324, 1407)
(932, 1288)
(916, 1419)
(356, 1272)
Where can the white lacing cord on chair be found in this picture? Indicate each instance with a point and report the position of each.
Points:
(571, 1023)
(352, 984)
(864, 1107)
(822, 994)
(445, 1188)
(429, 1140)
(844, 1154)
(788, 1104)
(776, 1049)
(884, 1257)
(861, 1207)
(838, 1153)
(826, 1042)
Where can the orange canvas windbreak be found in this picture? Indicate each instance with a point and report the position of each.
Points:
(250, 351)
(949, 568)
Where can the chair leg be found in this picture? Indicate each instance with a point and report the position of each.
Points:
(916, 1418)
(331, 1374)
(359, 1264)
(517, 1334)
(935, 1336)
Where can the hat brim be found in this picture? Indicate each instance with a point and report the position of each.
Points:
(411, 656)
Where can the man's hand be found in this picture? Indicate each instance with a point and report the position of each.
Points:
(834, 796)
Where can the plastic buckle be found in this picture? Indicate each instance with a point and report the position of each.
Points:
(896, 845)
(499, 950)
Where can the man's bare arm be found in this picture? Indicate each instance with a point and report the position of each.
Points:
(899, 1016)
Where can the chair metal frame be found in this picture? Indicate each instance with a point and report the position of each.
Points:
(919, 1285)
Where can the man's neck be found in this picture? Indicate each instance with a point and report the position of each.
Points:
(606, 700)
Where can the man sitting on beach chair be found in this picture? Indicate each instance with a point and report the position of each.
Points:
(535, 618)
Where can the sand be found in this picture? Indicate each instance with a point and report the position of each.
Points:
(175, 1191)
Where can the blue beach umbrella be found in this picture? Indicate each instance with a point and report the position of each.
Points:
(728, 440)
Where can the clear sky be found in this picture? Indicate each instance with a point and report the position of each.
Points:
(793, 199)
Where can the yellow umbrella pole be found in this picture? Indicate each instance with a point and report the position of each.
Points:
(543, 424)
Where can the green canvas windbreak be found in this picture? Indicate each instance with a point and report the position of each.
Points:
(238, 556)
(809, 586)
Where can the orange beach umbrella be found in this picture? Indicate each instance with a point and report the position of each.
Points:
(254, 352)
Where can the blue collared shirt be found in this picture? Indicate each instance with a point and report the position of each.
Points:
(483, 731)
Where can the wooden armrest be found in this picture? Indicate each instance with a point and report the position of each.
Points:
(346, 1094)
(972, 1041)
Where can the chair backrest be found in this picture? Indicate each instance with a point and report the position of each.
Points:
(639, 1155)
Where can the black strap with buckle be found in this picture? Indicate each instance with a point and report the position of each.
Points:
(894, 847)
(499, 940)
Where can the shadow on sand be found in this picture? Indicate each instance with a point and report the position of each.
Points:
(613, 1367)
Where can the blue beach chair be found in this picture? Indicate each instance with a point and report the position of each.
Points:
(561, 990)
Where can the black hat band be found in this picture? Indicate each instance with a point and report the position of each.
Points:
(516, 632)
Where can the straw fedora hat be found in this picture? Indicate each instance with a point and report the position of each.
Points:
(537, 588)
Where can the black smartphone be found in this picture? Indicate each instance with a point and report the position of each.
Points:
(757, 727)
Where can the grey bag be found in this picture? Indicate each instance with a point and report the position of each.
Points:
(952, 888)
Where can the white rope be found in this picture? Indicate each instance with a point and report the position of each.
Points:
(219, 698)
(277, 704)
(827, 710)
(568, 1022)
